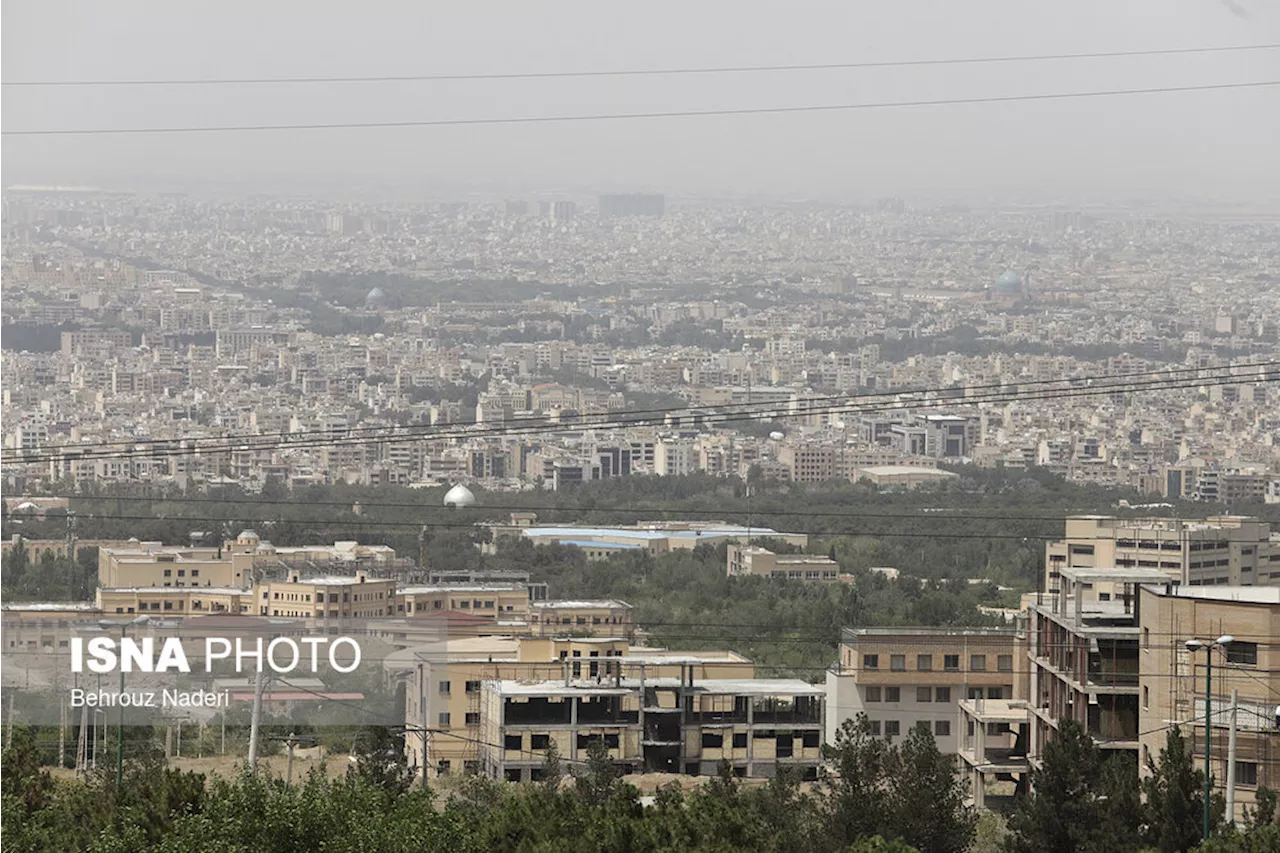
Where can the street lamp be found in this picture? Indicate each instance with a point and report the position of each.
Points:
(1194, 646)
(124, 626)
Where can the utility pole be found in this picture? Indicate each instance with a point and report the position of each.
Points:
(255, 721)
(1231, 759)
(62, 733)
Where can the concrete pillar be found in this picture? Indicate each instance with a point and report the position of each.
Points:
(573, 728)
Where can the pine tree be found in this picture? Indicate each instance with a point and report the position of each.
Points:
(926, 798)
(1174, 793)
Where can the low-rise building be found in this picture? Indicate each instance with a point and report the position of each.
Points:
(904, 677)
(331, 598)
(606, 618)
(35, 626)
(1246, 675)
(170, 602)
(1083, 653)
(445, 678)
(673, 725)
(752, 560)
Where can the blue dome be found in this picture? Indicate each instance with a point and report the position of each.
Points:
(1010, 282)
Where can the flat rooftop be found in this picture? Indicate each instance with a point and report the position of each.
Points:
(1242, 594)
(713, 687)
(854, 634)
(1116, 575)
(579, 605)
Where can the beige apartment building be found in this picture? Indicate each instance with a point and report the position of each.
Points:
(444, 682)
(904, 677)
(237, 562)
(503, 602)
(1083, 654)
(1221, 550)
(140, 564)
(1172, 680)
(170, 602)
(326, 598)
(653, 724)
(36, 626)
(606, 618)
(752, 560)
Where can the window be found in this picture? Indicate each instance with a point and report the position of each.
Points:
(1146, 697)
(811, 740)
(442, 767)
(995, 693)
(942, 728)
(924, 694)
(1146, 638)
(1004, 663)
(1082, 550)
(740, 740)
(182, 573)
(978, 663)
(1246, 773)
(942, 694)
(898, 663)
(712, 740)
(539, 741)
(871, 661)
(168, 573)
(924, 663)
(875, 727)
(473, 686)
(444, 688)
(513, 742)
(892, 728)
(873, 694)
(951, 663)
(444, 718)
(473, 718)
(893, 694)
(1246, 653)
(195, 573)
(997, 729)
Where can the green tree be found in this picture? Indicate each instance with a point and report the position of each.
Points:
(926, 797)
(855, 802)
(1174, 794)
(1068, 808)
(597, 781)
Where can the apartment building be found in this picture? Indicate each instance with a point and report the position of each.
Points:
(1172, 680)
(1083, 654)
(443, 690)
(153, 564)
(752, 560)
(171, 602)
(44, 625)
(904, 677)
(504, 602)
(652, 724)
(332, 598)
(607, 618)
(1226, 550)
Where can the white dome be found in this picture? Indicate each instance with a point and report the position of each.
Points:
(459, 495)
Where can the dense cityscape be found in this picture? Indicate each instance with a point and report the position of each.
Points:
(839, 428)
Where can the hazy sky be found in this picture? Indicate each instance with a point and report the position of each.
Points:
(1221, 144)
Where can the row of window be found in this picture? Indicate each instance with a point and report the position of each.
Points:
(950, 663)
(182, 573)
(927, 694)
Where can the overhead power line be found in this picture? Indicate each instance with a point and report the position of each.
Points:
(639, 72)
(589, 117)
(752, 412)
(630, 417)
